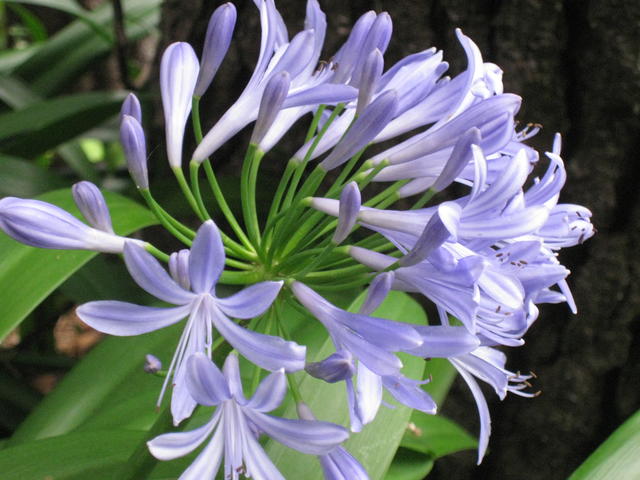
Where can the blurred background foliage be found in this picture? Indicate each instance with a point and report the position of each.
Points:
(66, 66)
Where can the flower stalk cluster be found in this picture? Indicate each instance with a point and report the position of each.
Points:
(486, 259)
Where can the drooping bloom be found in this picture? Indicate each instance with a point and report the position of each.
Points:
(205, 311)
(237, 423)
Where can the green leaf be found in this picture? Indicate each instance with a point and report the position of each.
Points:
(21, 178)
(28, 275)
(71, 7)
(617, 458)
(77, 456)
(409, 465)
(436, 436)
(65, 55)
(94, 391)
(376, 444)
(49, 123)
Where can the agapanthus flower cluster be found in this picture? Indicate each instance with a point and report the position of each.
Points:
(378, 222)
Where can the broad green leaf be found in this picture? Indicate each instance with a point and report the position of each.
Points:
(28, 275)
(21, 178)
(77, 456)
(71, 7)
(409, 465)
(617, 458)
(67, 54)
(49, 123)
(94, 390)
(436, 436)
(376, 444)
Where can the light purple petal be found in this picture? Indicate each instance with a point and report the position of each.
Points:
(206, 260)
(273, 97)
(460, 157)
(306, 436)
(444, 341)
(378, 290)
(179, 444)
(270, 393)
(126, 319)
(205, 381)
(259, 465)
(483, 410)
(373, 119)
(328, 94)
(207, 463)
(149, 274)
(350, 203)
(251, 301)
(409, 393)
(269, 352)
(369, 387)
(341, 465)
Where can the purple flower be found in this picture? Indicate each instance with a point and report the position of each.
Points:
(205, 311)
(236, 424)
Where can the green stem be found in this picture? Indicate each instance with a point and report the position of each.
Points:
(184, 186)
(195, 185)
(167, 221)
(159, 254)
(224, 206)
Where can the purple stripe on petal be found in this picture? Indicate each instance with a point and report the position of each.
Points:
(149, 274)
(207, 463)
(444, 341)
(206, 260)
(306, 436)
(125, 319)
(378, 290)
(270, 393)
(341, 465)
(93, 206)
(350, 203)
(408, 392)
(269, 352)
(251, 301)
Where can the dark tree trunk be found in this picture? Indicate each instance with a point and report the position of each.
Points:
(576, 65)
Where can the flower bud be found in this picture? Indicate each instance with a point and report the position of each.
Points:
(152, 364)
(334, 368)
(216, 45)
(373, 119)
(178, 74)
(131, 107)
(135, 150)
(272, 99)
(179, 268)
(350, 202)
(371, 73)
(91, 203)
